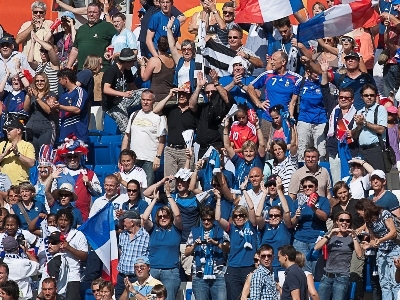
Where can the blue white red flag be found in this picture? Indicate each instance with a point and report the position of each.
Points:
(260, 11)
(337, 20)
(100, 233)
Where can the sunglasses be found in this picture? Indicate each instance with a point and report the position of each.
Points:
(96, 291)
(234, 37)
(163, 217)
(43, 50)
(346, 40)
(62, 195)
(327, 40)
(274, 215)
(216, 185)
(131, 191)
(344, 220)
(38, 12)
(141, 268)
(347, 98)
(187, 49)
(270, 184)
(239, 216)
(206, 219)
(369, 95)
(54, 243)
(72, 156)
(40, 80)
(228, 13)
(264, 256)
(256, 260)
(10, 129)
(210, 92)
(308, 186)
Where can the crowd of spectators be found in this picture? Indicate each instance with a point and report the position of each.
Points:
(251, 185)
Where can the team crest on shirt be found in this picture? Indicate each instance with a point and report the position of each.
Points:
(36, 208)
(287, 83)
(116, 206)
(95, 35)
(362, 80)
(318, 91)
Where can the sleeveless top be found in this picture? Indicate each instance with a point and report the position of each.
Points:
(51, 74)
(162, 81)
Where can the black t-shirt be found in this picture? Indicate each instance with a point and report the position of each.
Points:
(85, 77)
(357, 221)
(295, 279)
(119, 81)
(178, 122)
(207, 133)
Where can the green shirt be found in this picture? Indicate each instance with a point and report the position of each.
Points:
(93, 40)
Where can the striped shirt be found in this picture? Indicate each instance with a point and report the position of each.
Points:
(51, 74)
(285, 170)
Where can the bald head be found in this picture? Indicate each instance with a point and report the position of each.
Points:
(255, 177)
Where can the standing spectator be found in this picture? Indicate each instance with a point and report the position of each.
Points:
(393, 130)
(118, 89)
(137, 30)
(65, 38)
(159, 69)
(228, 16)
(280, 86)
(381, 196)
(263, 285)
(72, 107)
(146, 133)
(85, 78)
(370, 126)
(133, 243)
(18, 155)
(135, 201)
(39, 25)
(295, 286)
(157, 27)
(180, 117)
(107, 7)
(91, 38)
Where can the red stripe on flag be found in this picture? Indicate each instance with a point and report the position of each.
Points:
(114, 272)
(249, 11)
(363, 14)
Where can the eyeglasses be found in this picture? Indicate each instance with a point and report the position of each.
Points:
(344, 220)
(141, 268)
(40, 80)
(369, 95)
(233, 37)
(237, 65)
(239, 216)
(96, 291)
(216, 185)
(350, 40)
(256, 260)
(62, 195)
(347, 98)
(131, 191)
(209, 92)
(327, 40)
(228, 13)
(308, 186)
(187, 49)
(270, 184)
(53, 243)
(264, 256)
(274, 215)
(74, 156)
(43, 50)
(163, 217)
(38, 12)
(206, 219)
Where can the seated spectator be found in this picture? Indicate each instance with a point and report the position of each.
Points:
(95, 286)
(159, 70)
(49, 63)
(107, 290)
(359, 179)
(43, 120)
(65, 38)
(13, 196)
(62, 198)
(129, 171)
(21, 269)
(141, 288)
(38, 25)
(165, 239)
(72, 107)
(9, 290)
(208, 243)
(50, 290)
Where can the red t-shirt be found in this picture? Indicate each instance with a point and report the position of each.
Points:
(242, 133)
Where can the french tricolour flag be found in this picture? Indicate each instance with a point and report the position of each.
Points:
(336, 21)
(260, 11)
(100, 233)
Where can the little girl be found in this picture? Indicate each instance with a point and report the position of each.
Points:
(280, 124)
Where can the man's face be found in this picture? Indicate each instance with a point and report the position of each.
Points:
(352, 63)
(110, 187)
(62, 81)
(119, 24)
(93, 15)
(286, 32)
(166, 6)
(26, 195)
(266, 258)
(345, 100)
(12, 133)
(6, 49)
(255, 177)
(49, 290)
(311, 159)
(369, 97)
(276, 61)
(3, 274)
(142, 271)
(234, 39)
(147, 102)
(210, 90)
(182, 186)
(377, 183)
(128, 224)
(72, 161)
(282, 259)
(54, 247)
(228, 13)
(238, 69)
(38, 13)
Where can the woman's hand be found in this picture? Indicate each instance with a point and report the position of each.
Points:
(225, 121)
(188, 153)
(156, 194)
(106, 6)
(279, 183)
(334, 231)
(298, 213)
(214, 76)
(167, 188)
(170, 22)
(198, 241)
(243, 186)
(217, 194)
(173, 91)
(213, 242)
(201, 80)
(324, 65)
(56, 173)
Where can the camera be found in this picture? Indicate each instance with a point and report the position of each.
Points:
(364, 237)
(64, 19)
(21, 239)
(204, 242)
(153, 296)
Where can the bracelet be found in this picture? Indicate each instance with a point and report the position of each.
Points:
(327, 237)
(251, 208)
(217, 84)
(18, 154)
(170, 196)
(248, 56)
(363, 163)
(226, 133)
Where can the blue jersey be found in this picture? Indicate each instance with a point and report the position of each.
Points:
(158, 24)
(74, 123)
(11, 102)
(278, 88)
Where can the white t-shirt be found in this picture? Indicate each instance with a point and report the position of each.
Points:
(145, 132)
(102, 201)
(183, 75)
(356, 187)
(77, 240)
(256, 198)
(136, 173)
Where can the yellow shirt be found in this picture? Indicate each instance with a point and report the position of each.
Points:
(12, 166)
(145, 288)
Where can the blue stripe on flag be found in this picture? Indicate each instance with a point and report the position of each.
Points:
(311, 29)
(296, 5)
(97, 228)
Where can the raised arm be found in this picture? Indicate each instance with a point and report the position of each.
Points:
(32, 62)
(260, 137)
(160, 105)
(77, 10)
(221, 221)
(4, 81)
(49, 183)
(149, 42)
(259, 212)
(149, 192)
(250, 208)
(52, 54)
(193, 179)
(285, 206)
(314, 67)
(172, 42)
(201, 81)
(328, 47)
(174, 206)
(226, 191)
(227, 142)
(294, 140)
(220, 89)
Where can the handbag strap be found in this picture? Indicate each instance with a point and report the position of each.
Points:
(23, 210)
(380, 135)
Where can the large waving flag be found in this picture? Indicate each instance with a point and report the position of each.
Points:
(337, 20)
(260, 11)
(100, 233)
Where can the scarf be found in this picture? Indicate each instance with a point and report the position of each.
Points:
(344, 155)
(192, 68)
(212, 166)
(333, 120)
(246, 233)
(207, 257)
(45, 233)
(285, 126)
(292, 57)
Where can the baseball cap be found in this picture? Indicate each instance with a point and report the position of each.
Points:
(10, 244)
(271, 179)
(68, 14)
(7, 39)
(56, 236)
(391, 109)
(142, 260)
(130, 214)
(379, 173)
(352, 54)
(15, 124)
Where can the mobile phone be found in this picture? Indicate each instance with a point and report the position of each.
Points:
(153, 296)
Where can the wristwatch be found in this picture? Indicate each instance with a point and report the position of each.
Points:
(365, 124)
(158, 156)
(217, 84)
(240, 84)
(18, 154)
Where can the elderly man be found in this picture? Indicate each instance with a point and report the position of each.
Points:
(17, 155)
(145, 134)
(133, 243)
(39, 25)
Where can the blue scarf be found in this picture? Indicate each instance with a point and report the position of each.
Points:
(247, 237)
(285, 127)
(344, 155)
(207, 257)
(212, 167)
(192, 68)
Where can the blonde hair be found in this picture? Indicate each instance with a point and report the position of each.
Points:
(241, 210)
(300, 259)
(92, 62)
(249, 145)
(46, 89)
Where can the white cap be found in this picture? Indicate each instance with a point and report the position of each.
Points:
(379, 173)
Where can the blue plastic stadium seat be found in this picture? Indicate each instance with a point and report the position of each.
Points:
(111, 139)
(94, 138)
(97, 132)
(104, 169)
(110, 126)
(104, 154)
(86, 291)
(188, 294)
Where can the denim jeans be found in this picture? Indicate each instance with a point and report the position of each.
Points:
(170, 279)
(337, 287)
(386, 271)
(235, 279)
(390, 72)
(120, 286)
(147, 167)
(209, 289)
(305, 248)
